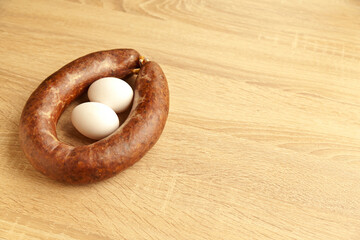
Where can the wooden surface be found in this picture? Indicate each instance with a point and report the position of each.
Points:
(263, 136)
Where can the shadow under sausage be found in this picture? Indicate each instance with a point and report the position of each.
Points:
(17, 164)
(20, 168)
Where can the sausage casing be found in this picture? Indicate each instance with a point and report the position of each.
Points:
(108, 156)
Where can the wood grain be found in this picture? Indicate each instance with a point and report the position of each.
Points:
(263, 135)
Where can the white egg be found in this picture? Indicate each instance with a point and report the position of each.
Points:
(94, 120)
(114, 92)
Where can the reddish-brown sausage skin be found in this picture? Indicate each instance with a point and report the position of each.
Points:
(106, 157)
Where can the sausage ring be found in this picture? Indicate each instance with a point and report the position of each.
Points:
(106, 157)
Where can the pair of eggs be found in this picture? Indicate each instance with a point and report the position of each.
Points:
(97, 119)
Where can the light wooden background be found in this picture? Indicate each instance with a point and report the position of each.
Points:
(263, 136)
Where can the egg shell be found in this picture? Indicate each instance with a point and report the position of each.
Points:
(114, 92)
(94, 120)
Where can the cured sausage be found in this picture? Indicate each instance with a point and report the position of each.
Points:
(108, 156)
